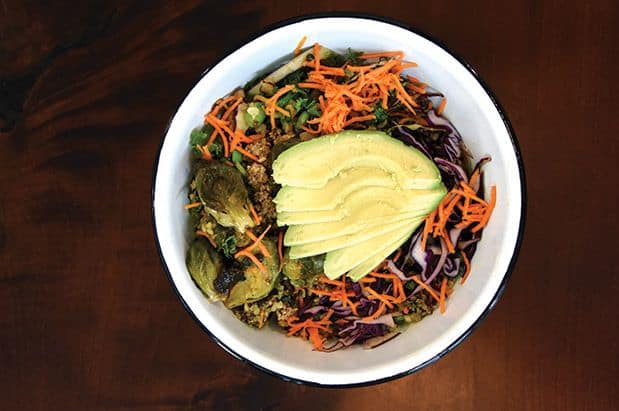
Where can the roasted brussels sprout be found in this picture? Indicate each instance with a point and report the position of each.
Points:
(303, 272)
(257, 284)
(204, 265)
(223, 193)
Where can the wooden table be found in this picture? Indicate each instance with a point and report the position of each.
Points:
(87, 317)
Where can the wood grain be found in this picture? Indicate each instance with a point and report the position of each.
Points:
(87, 317)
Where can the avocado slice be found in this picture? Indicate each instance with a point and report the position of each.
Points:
(326, 246)
(340, 261)
(334, 192)
(313, 163)
(369, 263)
(385, 201)
(367, 217)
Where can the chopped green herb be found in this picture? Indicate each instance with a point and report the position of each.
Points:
(380, 113)
(216, 150)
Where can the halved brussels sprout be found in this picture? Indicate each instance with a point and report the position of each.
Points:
(224, 195)
(257, 284)
(303, 272)
(204, 264)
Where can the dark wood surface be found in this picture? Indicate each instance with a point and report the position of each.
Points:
(87, 317)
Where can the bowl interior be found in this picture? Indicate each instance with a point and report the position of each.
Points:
(469, 108)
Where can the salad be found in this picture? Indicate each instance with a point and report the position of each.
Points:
(333, 200)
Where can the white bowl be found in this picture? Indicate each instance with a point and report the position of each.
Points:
(485, 130)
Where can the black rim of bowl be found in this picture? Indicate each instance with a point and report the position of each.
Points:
(512, 262)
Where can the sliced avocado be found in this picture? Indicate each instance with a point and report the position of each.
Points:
(340, 261)
(376, 213)
(313, 163)
(369, 263)
(320, 247)
(293, 65)
(334, 192)
(257, 284)
(386, 201)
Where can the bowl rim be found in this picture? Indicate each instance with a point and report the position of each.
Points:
(515, 145)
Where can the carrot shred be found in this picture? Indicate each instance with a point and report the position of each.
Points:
(208, 237)
(441, 303)
(257, 242)
(441, 106)
(280, 249)
(467, 271)
(376, 314)
(488, 212)
(426, 287)
(254, 215)
(253, 258)
(297, 49)
(192, 205)
(230, 109)
(317, 57)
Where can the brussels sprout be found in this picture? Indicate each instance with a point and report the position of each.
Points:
(224, 195)
(303, 272)
(257, 284)
(204, 264)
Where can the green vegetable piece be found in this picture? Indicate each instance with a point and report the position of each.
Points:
(236, 157)
(200, 135)
(303, 272)
(224, 195)
(254, 114)
(257, 284)
(204, 265)
(301, 120)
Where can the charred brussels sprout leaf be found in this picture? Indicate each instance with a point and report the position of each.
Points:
(257, 284)
(228, 277)
(223, 193)
(204, 264)
(303, 272)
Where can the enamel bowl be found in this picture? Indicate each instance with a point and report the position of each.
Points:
(485, 130)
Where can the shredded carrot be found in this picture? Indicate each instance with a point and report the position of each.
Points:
(297, 49)
(280, 247)
(208, 237)
(397, 256)
(467, 265)
(315, 338)
(331, 282)
(375, 315)
(359, 119)
(488, 212)
(257, 242)
(230, 109)
(253, 258)
(206, 154)
(426, 287)
(254, 215)
(192, 205)
(317, 57)
(441, 303)
(441, 106)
